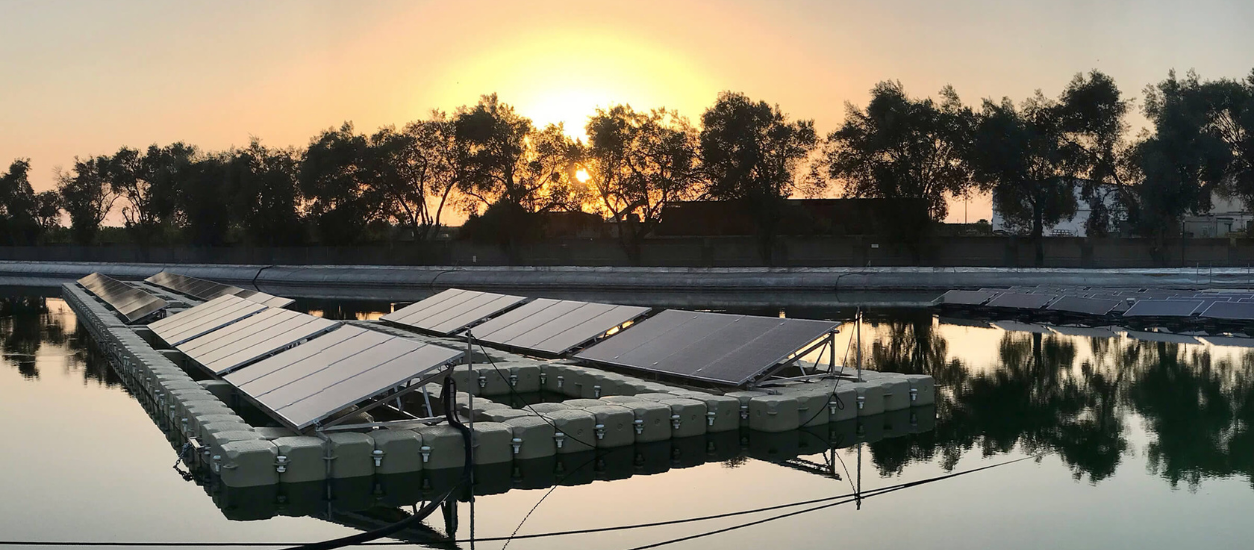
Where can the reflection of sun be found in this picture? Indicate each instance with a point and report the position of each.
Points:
(582, 176)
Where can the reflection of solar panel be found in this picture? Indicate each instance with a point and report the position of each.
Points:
(309, 383)
(252, 338)
(554, 326)
(131, 303)
(1015, 326)
(1087, 306)
(1232, 341)
(206, 290)
(964, 322)
(1237, 311)
(1163, 308)
(1166, 337)
(966, 297)
(1086, 332)
(204, 318)
(712, 347)
(452, 310)
(1021, 301)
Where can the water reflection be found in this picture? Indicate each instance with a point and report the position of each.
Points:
(1073, 397)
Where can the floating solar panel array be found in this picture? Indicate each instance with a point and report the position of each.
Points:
(555, 327)
(252, 338)
(1100, 302)
(204, 318)
(131, 303)
(205, 290)
(452, 311)
(310, 382)
(711, 347)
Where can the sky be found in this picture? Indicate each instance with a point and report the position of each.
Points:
(81, 78)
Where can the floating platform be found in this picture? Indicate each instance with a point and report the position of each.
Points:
(600, 412)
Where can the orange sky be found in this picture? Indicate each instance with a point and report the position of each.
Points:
(84, 77)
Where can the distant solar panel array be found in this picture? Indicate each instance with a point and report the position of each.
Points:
(452, 311)
(205, 318)
(1143, 303)
(131, 303)
(252, 338)
(205, 290)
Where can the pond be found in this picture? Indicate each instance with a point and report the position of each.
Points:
(1127, 444)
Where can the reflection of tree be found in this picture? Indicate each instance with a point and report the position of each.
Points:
(1199, 413)
(1034, 400)
(24, 326)
(913, 346)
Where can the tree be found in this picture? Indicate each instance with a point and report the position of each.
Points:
(266, 194)
(904, 148)
(18, 222)
(147, 182)
(638, 163)
(414, 168)
(48, 210)
(203, 199)
(1184, 161)
(1032, 157)
(503, 158)
(332, 173)
(751, 152)
(86, 196)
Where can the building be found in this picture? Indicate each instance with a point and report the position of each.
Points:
(1077, 226)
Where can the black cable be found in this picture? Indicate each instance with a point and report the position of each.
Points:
(829, 500)
(450, 388)
(840, 403)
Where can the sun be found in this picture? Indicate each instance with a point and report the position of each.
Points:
(583, 176)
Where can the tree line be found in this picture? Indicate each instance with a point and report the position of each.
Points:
(502, 170)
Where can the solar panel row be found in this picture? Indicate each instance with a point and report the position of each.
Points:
(711, 347)
(452, 311)
(308, 383)
(204, 318)
(554, 326)
(206, 290)
(253, 337)
(130, 302)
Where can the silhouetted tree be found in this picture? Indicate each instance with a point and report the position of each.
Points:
(416, 171)
(1031, 157)
(901, 147)
(48, 210)
(147, 183)
(267, 195)
(86, 196)
(638, 163)
(19, 224)
(331, 177)
(203, 198)
(751, 153)
(503, 158)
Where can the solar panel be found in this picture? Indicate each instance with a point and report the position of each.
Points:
(1015, 326)
(1021, 301)
(712, 347)
(131, 303)
(1087, 306)
(554, 326)
(1087, 332)
(1166, 337)
(203, 289)
(204, 318)
(452, 310)
(308, 383)
(1235, 311)
(1163, 308)
(967, 297)
(253, 338)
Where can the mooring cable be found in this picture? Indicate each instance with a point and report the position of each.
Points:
(449, 388)
(829, 500)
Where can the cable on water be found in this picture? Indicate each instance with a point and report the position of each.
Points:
(842, 499)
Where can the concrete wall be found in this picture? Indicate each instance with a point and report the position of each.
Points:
(692, 252)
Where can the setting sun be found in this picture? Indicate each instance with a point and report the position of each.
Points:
(582, 175)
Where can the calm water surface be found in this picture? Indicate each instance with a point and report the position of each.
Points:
(1134, 445)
